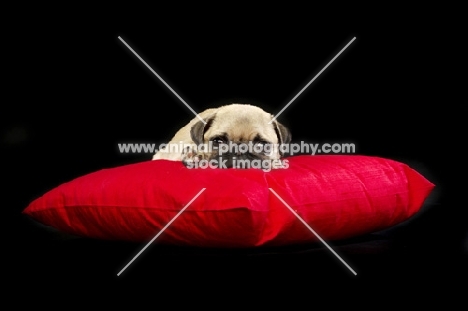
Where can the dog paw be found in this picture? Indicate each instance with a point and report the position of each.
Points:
(190, 157)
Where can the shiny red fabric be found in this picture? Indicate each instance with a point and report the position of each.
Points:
(338, 196)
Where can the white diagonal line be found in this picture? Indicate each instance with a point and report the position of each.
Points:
(159, 233)
(167, 85)
(312, 230)
(300, 92)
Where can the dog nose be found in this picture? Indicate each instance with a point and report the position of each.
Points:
(241, 148)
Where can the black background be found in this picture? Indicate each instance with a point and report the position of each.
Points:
(78, 92)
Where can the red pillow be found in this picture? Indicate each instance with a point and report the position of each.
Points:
(339, 196)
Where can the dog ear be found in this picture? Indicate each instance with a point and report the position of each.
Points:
(199, 129)
(283, 133)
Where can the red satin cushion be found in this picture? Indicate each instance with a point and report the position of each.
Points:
(338, 196)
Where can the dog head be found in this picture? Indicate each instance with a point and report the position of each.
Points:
(238, 133)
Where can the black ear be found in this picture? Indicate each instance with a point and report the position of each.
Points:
(199, 129)
(283, 133)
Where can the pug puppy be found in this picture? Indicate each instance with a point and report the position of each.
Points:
(233, 134)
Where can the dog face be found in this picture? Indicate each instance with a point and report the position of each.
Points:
(238, 133)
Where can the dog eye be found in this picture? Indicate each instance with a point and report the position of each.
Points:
(261, 143)
(218, 140)
(262, 146)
